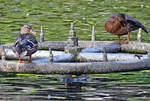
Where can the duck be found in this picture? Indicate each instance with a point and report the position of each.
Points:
(121, 24)
(26, 43)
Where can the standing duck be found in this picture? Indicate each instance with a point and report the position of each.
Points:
(25, 44)
(121, 24)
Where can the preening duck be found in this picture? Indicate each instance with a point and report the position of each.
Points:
(25, 44)
(121, 24)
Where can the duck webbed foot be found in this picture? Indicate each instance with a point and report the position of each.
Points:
(29, 61)
(126, 41)
(123, 41)
(20, 61)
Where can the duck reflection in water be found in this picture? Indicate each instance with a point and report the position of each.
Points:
(74, 85)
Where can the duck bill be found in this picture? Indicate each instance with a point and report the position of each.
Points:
(32, 31)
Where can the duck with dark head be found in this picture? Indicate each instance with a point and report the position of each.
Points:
(25, 44)
(121, 24)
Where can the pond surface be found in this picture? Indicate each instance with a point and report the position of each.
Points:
(131, 86)
(56, 15)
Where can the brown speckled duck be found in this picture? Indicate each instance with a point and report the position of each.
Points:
(121, 24)
(25, 44)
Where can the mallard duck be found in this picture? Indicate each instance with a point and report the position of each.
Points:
(121, 24)
(25, 44)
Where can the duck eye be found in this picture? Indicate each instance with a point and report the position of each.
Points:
(28, 27)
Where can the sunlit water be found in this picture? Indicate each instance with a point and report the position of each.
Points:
(119, 87)
(56, 15)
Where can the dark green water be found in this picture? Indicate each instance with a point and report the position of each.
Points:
(55, 16)
(131, 86)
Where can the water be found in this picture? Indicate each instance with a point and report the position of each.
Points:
(56, 15)
(131, 86)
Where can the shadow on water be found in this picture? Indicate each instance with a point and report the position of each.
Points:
(32, 87)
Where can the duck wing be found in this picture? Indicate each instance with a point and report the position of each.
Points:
(30, 44)
(26, 44)
(17, 47)
(134, 24)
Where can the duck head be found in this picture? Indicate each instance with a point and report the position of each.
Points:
(27, 29)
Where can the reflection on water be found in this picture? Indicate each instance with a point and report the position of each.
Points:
(120, 87)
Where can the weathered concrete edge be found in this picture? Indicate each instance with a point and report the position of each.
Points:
(75, 68)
